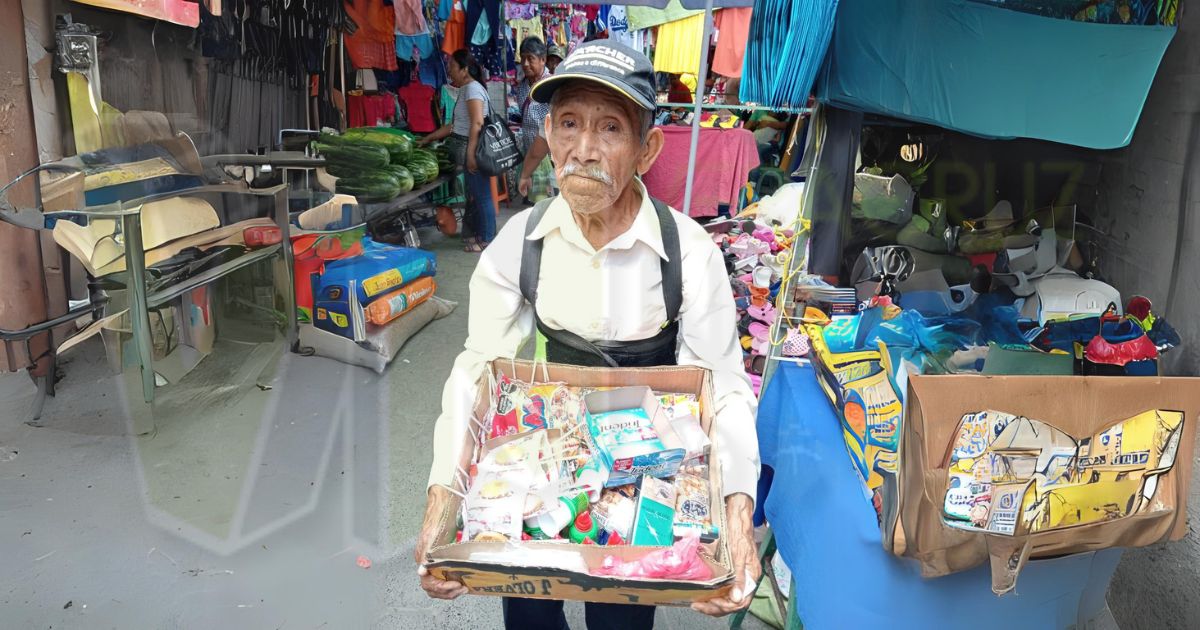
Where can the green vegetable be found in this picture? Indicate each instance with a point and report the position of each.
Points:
(353, 156)
(398, 146)
(404, 175)
(371, 187)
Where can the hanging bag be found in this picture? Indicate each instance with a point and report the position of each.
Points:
(497, 150)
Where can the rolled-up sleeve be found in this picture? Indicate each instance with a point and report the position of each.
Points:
(708, 325)
(498, 324)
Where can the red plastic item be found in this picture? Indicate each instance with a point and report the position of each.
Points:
(261, 236)
(615, 539)
(1100, 350)
(364, 562)
(583, 522)
(681, 561)
(1139, 306)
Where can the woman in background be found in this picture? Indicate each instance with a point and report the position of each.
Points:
(479, 219)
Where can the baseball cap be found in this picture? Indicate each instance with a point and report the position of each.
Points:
(556, 51)
(608, 63)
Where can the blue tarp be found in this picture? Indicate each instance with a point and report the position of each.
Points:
(992, 72)
(827, 533)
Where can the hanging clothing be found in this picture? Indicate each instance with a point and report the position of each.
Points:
(410, 17)
(678, 48)
(455, 36)
(449, 97)
(372, 45)
(418, 102)
(733, 29)
(527, 28)
(414, 46)
(477, 10)
(617, 23)
(432, 72)
(520, 10)
(645, 17)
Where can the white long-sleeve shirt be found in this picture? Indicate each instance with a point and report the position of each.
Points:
(614, 294)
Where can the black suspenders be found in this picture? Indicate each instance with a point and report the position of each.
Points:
(671, 268)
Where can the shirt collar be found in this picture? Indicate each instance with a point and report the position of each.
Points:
(645, 228)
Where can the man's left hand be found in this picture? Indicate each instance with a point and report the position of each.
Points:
(739, 516)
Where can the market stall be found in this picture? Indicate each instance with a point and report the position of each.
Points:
(938, 253)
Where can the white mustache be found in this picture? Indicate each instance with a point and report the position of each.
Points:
(590, 172)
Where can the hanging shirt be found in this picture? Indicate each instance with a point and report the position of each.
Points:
(418, 102)
(645, 17)
(410, 17)
(618, 26)
(678, 49)
(733, 29)
(455, 36)
(614, 294)
(527, 28)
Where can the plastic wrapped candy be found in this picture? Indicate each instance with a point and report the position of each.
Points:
(680, 561)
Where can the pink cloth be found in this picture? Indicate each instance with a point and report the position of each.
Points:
(733, 26)
(724, 159)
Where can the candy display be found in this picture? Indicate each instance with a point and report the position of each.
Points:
(589, 466)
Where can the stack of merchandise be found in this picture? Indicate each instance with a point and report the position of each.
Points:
(376, 164)
(594, 466)
(359, 300)
(756, 254)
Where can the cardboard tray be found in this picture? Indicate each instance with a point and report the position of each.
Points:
(1079, 406)
(451, 561)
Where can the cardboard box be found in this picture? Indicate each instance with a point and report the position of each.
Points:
(628, 462)
(523, 576)
(1078, 406)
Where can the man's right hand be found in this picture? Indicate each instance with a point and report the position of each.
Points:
(437, 500)
(524, 185)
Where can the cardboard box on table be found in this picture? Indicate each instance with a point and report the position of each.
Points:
(1079, 406)
(452, 561)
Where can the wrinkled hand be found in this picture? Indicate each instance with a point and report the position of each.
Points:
(438, 589)
(524, 184)
(739, 514)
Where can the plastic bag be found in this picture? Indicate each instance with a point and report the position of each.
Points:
(680, 561)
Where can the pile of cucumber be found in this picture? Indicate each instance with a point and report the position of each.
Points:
(375, 164)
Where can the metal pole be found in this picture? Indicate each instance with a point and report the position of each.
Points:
(697, 106)
(139, 309)
(342, 66)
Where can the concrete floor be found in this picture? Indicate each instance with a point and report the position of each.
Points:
(245, 508)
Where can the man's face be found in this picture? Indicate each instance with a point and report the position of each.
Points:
(552, 62)
(533, 66)
(596, 143)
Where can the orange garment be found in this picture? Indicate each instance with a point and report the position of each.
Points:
(733, 29)
(373, 45)
(455, 36)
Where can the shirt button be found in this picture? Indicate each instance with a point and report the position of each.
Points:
(595, 264)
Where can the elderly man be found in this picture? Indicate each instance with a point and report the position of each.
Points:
(610, 277)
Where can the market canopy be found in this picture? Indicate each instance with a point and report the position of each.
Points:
(992, 72)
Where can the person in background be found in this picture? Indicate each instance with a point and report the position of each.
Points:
(768, 129)
(479, 220)
(554, 56)
(537, 167)
(611, 277)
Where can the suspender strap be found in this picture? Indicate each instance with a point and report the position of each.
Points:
(672, 276)
(672, 267)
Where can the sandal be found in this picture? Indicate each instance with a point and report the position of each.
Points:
(474, 247)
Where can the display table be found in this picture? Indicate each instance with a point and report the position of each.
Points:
(828, 534)
(724, 159)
